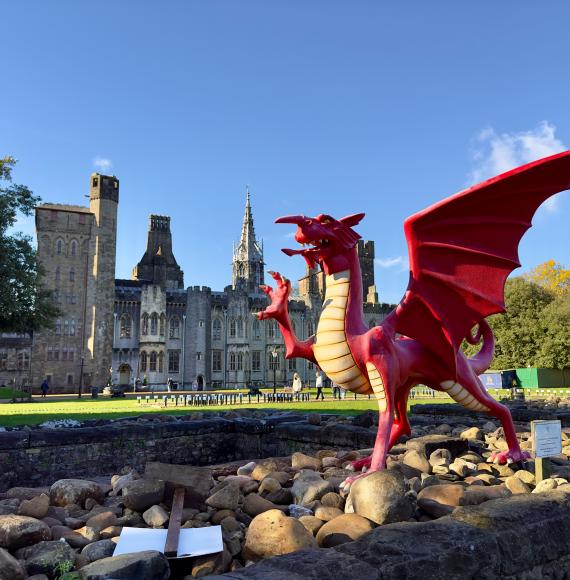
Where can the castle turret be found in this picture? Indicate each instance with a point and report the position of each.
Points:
(247, 263)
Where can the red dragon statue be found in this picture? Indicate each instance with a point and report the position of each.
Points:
(461, 251)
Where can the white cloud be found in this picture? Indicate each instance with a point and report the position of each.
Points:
(495, 153)
(389, 262)
(102, 164)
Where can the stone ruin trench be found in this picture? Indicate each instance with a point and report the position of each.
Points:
(440, 510)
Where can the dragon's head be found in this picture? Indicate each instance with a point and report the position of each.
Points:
(327, 237)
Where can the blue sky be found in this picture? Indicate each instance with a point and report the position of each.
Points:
(320, 106)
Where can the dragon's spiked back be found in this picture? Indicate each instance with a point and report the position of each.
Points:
(327, 237)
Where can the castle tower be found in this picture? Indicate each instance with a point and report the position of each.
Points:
(365, 250)
(158, 265)
(247, 263)
(103, 202)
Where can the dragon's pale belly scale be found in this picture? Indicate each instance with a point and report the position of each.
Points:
(458, 393)
(331, 347)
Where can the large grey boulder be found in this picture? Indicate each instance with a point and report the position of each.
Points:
(99, 550)
(19, 531)
(47, 557)
(147, 565)
(10, 568)
(310, 486)
(74, 491)
(141, 494)
(382, 497)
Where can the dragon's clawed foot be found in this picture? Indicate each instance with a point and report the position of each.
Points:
(360, 464)
(346, 484)
(514, 456)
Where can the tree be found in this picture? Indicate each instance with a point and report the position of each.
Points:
(552, 276)
(24, 304)
(554, 349)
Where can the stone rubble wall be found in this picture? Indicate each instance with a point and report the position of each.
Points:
(524, 537)
(41, 456)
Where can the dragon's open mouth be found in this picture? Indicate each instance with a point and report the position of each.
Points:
(311, 251)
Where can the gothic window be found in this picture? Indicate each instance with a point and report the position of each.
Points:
(233, 328)
(3, 360)
(310, 328)
(125, 326)
(198, 355)
(72, 327)
(69, 380)
(256, 327)
(57, 275)
(241, 271)
(173, 361)
(59, 247)
(58, 326)
(240, 328)
(270, 329)
(240, 361)
(216, 361)
(73, 248)
(162, 324)
(144, 325)
(154, 323)
(174, 331)
(152, 366)
(64, 353)
(66, 327)
(72, 274)
(217, 329)
(71, 354)
(233, 361)
(23, 361)
(294, 326)
(256, 360)
(160, 362)
(292, 364)
(143, 361)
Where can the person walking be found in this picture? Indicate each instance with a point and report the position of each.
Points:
(319, 380)
(297, 385)
(44, 388)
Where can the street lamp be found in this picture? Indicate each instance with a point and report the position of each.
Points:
(81, 375)
(274, 355)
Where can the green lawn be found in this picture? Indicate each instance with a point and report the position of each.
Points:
(8, 393)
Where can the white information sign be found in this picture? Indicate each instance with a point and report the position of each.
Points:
(546, 438)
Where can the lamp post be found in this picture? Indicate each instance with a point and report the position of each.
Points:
(274, 355)
(225, 312)
(81, 376)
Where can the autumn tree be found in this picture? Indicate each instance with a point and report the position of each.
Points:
(552, 276)
(24, 304)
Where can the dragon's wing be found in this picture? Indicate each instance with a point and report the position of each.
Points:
(462, 249)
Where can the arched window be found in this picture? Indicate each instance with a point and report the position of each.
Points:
(144, 325)
(57, 275)
(162, 324)
(72, 327)
(217, 329)
(143, 361)
(160, 362)
(294, 326)
(310, 328)
(154, 323)
(59, 247)
(240, 361)
(152, 367)
(233, 327)
(174, 331)
(240, 328)
(58, 326)
(66, 327)
(232, 361)
(256, 328)
(73, 248)
(72, 274)
(125, 329)
(270, 329)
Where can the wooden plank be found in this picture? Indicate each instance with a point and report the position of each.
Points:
(173, 535)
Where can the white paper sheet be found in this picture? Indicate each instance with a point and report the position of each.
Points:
(192, 541)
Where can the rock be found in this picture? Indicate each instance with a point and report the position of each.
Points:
(59, 513)
(211, 564)
(226, 498)
(332, 499)
(269, 485)
(488, 479)
(221, 515)
(90, 503)
(525, 476)
(272, 534)
(74, 491)
(147, 565)
(281, 497)
(417, 460)
(299, 511)
(462, 468)
(365, 420)
(246, 469)
(312, 523)
(48, 557)
(427, 444)
(99, 550)
(479, 494)
(110, 532)
(141, 494)
(10, 568)
(473, 433)
(327, 513)
(504, 470)
(19, 531)
(309, 486)
(516, 485)
(344, 528)
(119, 481)
(23, 493)
(381, 497)
(196, 480)
(101, 520)
(314, 419)
(302, 461)
(544, 485)
(230, 525)
(37, 507)
(155, 516)
(440, 500)
(281, 476)
(254, 505)
(330, 462)
(264, 468)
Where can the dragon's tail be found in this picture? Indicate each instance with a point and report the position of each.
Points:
(482, 360)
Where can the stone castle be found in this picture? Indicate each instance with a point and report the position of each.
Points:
(150, 327)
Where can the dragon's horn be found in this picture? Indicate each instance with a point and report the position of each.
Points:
(291, 219)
